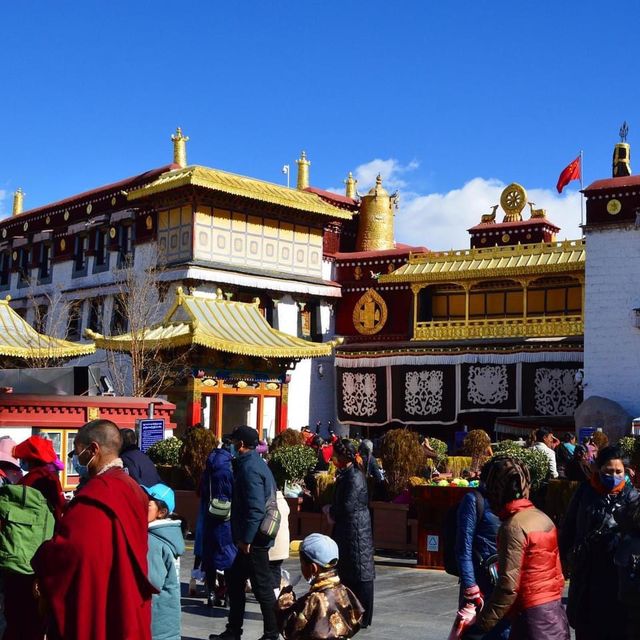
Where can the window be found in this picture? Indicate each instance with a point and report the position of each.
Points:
(125, 245)
(23, 265)
(119, 322)
(62, 441)
(80, 255)
(5, 268)
(75, 320)
(96, 310)
(101, 246)
(45, 261)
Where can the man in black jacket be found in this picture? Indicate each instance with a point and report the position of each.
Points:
(253, 487)
(137, 463)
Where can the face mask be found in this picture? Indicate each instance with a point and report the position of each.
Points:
(610, 482)
(233, 451)
(81, 469)
(24, 465)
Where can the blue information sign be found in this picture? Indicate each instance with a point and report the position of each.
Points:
(151, 431)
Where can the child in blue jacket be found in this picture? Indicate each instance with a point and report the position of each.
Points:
(166, 545)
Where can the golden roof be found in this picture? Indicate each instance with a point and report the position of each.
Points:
(242, 186)
(20, 340)
(517, 260)
(210, 321)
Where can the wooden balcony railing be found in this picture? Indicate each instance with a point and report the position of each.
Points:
(532, 327)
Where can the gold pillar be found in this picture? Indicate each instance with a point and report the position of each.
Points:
(375, 222)
(525, 293)
(18, 201)
(303, 171)
(467, 287)
(351, 183)
(179, 148)
(416, 288)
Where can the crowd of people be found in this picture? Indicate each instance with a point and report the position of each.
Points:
(105, 565)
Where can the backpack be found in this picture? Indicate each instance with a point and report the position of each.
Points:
(26, 521)
(450, 533)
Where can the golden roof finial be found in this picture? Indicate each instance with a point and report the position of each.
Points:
(179, 148)
(18, 201)
(303, 171)
(351, 183)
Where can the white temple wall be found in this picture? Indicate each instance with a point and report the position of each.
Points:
(611, 340)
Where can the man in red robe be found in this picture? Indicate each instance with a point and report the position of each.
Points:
(92, 575)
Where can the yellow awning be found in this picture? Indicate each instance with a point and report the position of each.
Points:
(210, 321)
(18, 339)
(518, 260)
(238, 185)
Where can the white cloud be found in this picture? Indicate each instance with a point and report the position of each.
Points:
(440, 221)
(391, 171)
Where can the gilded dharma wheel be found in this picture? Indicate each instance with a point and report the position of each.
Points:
(513, 201)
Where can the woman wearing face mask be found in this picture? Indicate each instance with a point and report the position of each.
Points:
(352, 528)
(589, 539)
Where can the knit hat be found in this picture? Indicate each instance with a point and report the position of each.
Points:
(320, 549)
(7, 445)
(36, 448)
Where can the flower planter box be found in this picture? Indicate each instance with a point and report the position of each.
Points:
(432, 504)
(390, 526)
(294, 517)
(309, 522)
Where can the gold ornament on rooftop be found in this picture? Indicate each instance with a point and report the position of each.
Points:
(179, 148)
(513, 200)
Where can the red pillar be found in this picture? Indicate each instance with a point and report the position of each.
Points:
(282, 408)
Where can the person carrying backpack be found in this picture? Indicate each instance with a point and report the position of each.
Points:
(27, 514)
(475, 552)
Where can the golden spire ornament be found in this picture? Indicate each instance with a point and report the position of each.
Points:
(18, 202)
(179, 148)
(303, 171)
(350, 183)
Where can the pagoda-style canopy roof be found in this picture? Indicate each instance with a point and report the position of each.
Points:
(242, 186)
(18, 339)
(210, 321)
(501, 262)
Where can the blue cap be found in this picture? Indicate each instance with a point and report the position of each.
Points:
(320, 549)
(164, 493)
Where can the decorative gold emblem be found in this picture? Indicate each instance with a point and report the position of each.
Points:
(370, 313)
(113, 201)
(89, 208)
(63, 244)
(148, 222)
(506, 237)
(93, 413)
(14, 256)
(390, 267)
(66, 215)
(25, 226)
(614, 207)
(513, 201)
(4, 233)
(357, 272)
(47, 220)
(112, 233)
(272, 386)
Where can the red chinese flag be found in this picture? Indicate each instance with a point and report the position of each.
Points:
(569, 173)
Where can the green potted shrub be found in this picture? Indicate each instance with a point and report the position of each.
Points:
(536, 461)
(290, 464)
(166, 455)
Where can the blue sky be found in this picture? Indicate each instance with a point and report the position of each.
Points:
(457, 98)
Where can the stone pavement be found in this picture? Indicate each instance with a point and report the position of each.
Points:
(410, 604)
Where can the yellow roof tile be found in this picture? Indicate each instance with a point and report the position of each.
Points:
(552, 257)
(242, 186)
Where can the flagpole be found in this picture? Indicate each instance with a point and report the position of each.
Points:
(581, 194)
